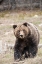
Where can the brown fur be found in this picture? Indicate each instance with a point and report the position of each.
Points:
(26, 45)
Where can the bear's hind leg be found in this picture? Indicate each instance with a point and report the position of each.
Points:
(32, 51)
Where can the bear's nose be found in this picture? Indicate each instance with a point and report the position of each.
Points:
(21, 35)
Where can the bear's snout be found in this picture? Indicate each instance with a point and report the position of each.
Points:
(21, 34)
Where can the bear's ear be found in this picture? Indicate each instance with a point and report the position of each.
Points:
(14, 26)
(25, 24)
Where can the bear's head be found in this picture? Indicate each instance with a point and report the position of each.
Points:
(21, 31)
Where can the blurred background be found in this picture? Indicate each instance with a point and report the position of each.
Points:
(17, 12)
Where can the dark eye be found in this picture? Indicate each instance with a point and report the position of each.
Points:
(23, 30)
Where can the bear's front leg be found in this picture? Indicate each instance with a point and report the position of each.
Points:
(32, 51)
(26, 52)
(17, 54)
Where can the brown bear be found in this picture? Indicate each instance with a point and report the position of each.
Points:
(27, 40)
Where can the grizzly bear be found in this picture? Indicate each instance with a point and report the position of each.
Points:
(27, 40)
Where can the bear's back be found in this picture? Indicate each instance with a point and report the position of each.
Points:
(34, 31)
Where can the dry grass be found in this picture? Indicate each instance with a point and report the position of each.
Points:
(7, 36)
(8, 58)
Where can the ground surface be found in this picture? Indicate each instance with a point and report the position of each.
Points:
(7, 19)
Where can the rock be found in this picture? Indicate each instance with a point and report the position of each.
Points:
(3, 47)
(36, 16)
(40, 45)
(0, 46)
(40, 25)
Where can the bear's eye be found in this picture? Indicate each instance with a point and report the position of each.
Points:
(23, 30)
